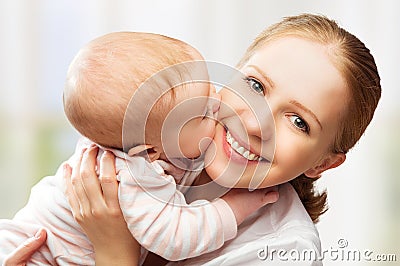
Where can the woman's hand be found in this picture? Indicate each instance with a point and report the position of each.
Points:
(23, 253)
(95, 206)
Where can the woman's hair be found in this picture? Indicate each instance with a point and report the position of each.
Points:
(355, 63)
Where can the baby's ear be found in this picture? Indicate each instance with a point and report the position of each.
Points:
(152, 152)
(331, 161)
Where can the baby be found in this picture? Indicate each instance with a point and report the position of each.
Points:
(99, 102)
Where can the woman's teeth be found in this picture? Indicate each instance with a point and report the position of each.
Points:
(241, 150)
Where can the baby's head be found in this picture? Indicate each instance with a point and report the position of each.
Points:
(105, 74)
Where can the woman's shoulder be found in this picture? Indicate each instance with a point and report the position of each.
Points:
(283, 225)
(286, 215)
(289, 209)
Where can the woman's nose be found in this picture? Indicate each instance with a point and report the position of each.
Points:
(260, 124)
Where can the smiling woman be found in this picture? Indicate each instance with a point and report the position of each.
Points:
(305, 68)
(322, 87)
(319, 80)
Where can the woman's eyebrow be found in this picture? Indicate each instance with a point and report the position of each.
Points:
(265, 76)
(308, 111)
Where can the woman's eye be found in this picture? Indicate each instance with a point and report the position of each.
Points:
(255, 85)
(299, 123)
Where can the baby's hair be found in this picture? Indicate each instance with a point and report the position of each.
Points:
(355, 63)
(105, 73)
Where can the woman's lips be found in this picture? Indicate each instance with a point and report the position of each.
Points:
(243, 155)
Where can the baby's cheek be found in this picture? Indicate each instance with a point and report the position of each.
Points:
(204, 143)
(208, 138)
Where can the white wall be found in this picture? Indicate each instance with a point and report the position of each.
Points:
(39, 39)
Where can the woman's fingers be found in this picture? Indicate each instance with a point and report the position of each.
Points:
(69, 192)
(88, 196)
(76, 181)
(90, 179)
(23, 253)
(109, 183)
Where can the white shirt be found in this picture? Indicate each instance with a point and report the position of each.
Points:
(281, 233)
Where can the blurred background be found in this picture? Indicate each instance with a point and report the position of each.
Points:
(40, 37)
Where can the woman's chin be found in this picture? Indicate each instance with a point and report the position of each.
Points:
(223, 177)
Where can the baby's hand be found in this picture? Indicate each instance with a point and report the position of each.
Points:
(243, 202)
(171, 169)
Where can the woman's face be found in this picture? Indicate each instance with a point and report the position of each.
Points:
(306, 95)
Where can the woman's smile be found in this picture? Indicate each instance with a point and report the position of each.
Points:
(237, 150)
